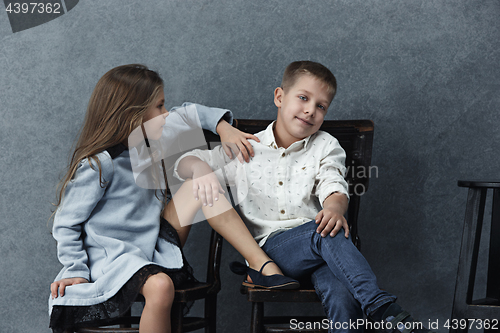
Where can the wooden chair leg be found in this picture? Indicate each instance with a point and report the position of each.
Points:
(211, 314)
(127, 314)
(176, 318)
(469, 248)
(257, 320)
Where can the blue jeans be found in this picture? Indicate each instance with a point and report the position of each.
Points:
(341, 275)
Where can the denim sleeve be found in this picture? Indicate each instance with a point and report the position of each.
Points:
(81, 196)
(210, 117)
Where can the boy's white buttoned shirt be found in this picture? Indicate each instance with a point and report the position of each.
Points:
(281, 188)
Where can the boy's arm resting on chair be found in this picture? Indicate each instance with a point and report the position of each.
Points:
(332, 191)
(331, 218)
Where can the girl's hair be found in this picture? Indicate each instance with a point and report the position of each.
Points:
(117, 106)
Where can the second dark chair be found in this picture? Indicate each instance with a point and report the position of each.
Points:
(356, 137)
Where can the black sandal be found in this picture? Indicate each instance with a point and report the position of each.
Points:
(275, 281)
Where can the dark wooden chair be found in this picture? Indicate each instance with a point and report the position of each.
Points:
(195, 291)
(468, 312)
(356, 137)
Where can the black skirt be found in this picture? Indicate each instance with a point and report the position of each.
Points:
(72, 317)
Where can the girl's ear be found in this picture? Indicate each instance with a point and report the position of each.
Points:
(278, 95)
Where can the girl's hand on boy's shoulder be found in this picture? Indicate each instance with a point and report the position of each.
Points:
(234, 140)
(331, 222)
(58, 287)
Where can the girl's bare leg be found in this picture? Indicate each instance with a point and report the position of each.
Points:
(159, 294)
(222, 218)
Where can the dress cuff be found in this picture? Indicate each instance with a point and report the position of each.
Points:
(76, 274)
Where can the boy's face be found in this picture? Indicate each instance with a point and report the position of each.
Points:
(302, 109)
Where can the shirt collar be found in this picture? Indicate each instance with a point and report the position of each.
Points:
(116, 150)
(269, 140)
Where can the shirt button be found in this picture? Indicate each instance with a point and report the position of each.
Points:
(281, 183)
(283, 155)
(282, 211)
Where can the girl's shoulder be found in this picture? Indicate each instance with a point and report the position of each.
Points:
(100, 164)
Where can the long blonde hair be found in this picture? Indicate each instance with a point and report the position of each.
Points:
(117, 106)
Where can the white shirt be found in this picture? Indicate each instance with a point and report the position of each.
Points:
(280, 188)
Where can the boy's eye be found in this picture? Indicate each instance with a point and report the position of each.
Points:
(304, 98)
(321, 107)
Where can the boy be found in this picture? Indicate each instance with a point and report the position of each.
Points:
(297, 171)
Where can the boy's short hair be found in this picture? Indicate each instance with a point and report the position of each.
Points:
(297, 68)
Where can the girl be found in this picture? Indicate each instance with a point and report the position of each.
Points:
(107, 227)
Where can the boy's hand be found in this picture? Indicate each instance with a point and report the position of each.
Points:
(205, 184)
(60, 286)
(331, 222)
(233, 138)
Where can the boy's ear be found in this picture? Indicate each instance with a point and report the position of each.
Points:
(278, 95)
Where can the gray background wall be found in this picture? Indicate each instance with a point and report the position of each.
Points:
(426, 71)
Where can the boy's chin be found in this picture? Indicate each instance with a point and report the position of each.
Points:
(304, 133)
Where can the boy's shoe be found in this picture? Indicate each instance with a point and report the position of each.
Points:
(259, 280)
(397, 320)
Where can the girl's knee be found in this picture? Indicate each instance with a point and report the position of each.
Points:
(159, 289)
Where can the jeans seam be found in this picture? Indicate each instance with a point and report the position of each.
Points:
(341, 268)
(323, 300)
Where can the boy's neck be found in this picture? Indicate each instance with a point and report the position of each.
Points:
(283, 140)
